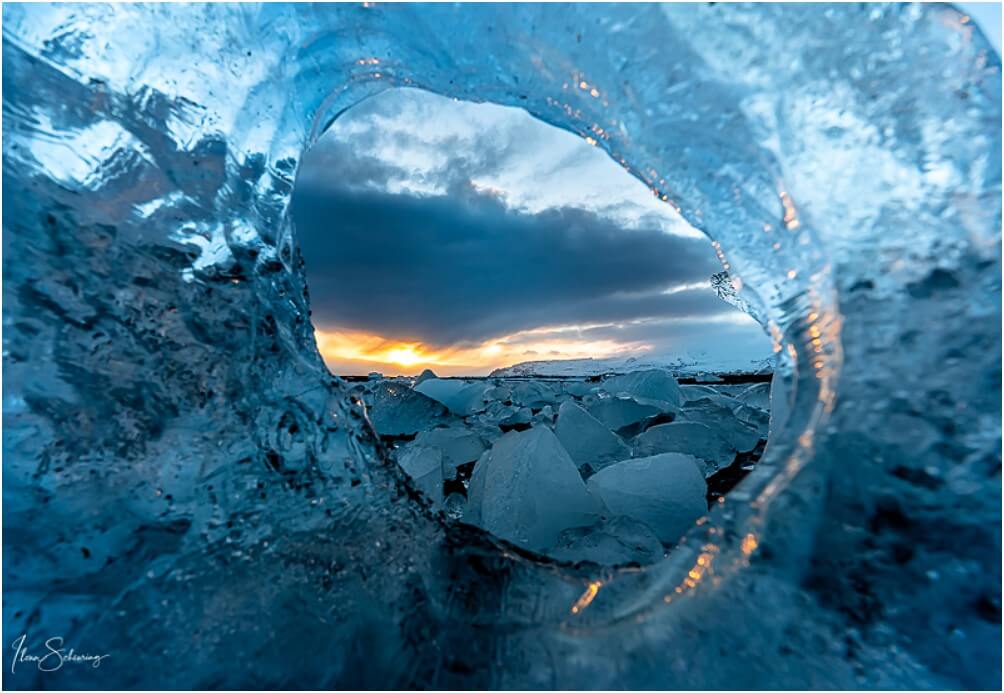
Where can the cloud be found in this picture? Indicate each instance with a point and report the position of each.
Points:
(464, 267)
(450, 224)
(411, 141)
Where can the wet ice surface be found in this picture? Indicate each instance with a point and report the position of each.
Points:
(565, 483)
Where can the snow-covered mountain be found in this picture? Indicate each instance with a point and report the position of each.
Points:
(680, 367)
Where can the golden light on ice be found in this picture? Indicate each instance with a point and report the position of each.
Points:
(587, 597)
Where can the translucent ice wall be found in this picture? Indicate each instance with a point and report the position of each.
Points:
(187, 489)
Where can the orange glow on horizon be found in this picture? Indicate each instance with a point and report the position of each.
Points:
(353, 351)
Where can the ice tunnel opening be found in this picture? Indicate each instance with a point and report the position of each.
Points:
(550, 352)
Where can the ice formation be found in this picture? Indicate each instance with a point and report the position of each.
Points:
(656, 388)
(720, 417)
(690, 438)
(527, 490)
(665, 492)
(459, 396)
(621, 412)
(425, 466)
(397, 410)
(523, 489)
(757, 395)
(587, 440)
(458, 445)
(184, 482)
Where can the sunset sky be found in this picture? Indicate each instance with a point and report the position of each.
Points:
(464, 237)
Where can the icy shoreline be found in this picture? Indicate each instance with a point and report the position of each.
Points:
(607, 469)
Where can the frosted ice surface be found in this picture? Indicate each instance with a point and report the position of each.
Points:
(690, 438)
(527, 490)
(655, 387)
(613, 541)
(666, 492)
(588, 441)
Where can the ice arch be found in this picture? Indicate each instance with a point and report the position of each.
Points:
(182, 481)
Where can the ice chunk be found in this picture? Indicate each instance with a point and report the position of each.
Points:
(454, 506)
(532, 392)
(489, 432)
(544, 417)
(495, 412)
(723, 421)
(518, 421)
(459, 396)
(655, 387)
(588, 441)
(577, 388)
(757, 395)
(459, 445)
(425, 467)
(427, 374)
(397, 410)
(498, 393)
(666, 492)
(617, 412)
(692, 393)
(614, 541)
(690, 438)
(527, 490)
(755, 417)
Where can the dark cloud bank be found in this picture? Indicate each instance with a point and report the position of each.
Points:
(463, 267)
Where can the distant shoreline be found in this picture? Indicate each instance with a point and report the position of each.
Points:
(724, 378)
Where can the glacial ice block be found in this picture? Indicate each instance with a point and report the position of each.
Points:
(655, 387)
(424, 466)
(588, 441)
(723, 421)
(689, 438)
(666, 492)
(527, 490)
(617, 412)
(459, 396)
(532, 393)
(691, 393)
(757, 395)
(458, 445)
(427, 374)
(395, 410)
